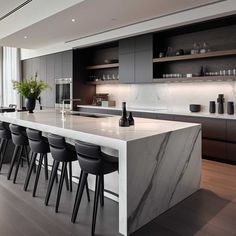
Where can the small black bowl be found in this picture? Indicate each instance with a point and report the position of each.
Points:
(195, 107)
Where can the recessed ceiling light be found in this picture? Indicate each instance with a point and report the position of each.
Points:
(73, 20)
(25, 37)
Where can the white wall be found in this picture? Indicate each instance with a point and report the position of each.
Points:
(174, 97)
(219, 9)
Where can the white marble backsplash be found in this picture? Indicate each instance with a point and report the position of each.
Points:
(174, 97)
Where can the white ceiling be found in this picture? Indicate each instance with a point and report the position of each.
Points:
(7, 6)
(93, 17)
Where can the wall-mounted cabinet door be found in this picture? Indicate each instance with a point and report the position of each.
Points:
(143, 67)
(58, 66)
(50, 93)
(67, 64)
(126, 68)
(27, 68)
(43, 77)
(135, 59)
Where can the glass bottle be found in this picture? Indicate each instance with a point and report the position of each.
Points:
(124, 122)
(131, 119)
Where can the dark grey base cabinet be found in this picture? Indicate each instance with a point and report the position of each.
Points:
(218, 135)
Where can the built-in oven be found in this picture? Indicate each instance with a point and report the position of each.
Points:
(63, 91)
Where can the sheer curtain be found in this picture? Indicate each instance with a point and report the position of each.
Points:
(11, 71)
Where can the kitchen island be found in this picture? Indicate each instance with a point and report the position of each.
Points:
(159, 161)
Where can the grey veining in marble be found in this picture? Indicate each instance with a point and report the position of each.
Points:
(165, 175)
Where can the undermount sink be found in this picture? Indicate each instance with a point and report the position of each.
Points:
(90, 115)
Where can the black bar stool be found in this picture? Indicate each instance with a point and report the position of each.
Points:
(5, 136)
(20, 139)
(38, 145)
(92, 161)
(64, 153)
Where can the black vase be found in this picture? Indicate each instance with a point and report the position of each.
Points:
(220, 101)
(131, 119)
(124, 122)
(212, 107)
(230, 108)
(30, 104)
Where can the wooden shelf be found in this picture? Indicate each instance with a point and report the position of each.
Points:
(104, 82)
(103, 66)
(195, 79)
(196, 56)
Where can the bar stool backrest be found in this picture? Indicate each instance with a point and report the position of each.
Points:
(5, 132)
(19, 136)
(90, 157)
(37, 142)
(60, 150)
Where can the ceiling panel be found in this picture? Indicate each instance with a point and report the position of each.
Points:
(93, 17)
(7, 6)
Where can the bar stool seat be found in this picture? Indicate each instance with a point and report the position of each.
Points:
(38, 145)
(61, 153)
(20, 139)
(5, 136)
(92, 161)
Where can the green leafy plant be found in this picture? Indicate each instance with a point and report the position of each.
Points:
(30, 88)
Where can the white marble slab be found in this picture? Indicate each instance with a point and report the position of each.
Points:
(159, 161)
(172, 97)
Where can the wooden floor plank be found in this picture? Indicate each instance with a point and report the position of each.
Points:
(210, 211)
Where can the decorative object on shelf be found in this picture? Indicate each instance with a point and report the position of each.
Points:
(98, 98)
(131, 119)
(180, 52)
(205, 48)
(109, 103)
(196, 49)
(220, 101)
(212, 107)
(31, 90)
(203, 71)
(161, 54)
(195, 107)
(124, 122)
(230, 108)
(108, 61)
(169, 52)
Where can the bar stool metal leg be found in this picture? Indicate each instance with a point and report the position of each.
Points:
(18, 164)
(70, 175)
(32, 164)
(79, 193)
(102, 191)
(3, 151)
(96, 199)
(46, 166)
(63, 173)
(15, 154)
(51, 180)
(37, 174)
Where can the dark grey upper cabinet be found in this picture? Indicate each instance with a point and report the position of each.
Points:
(127, 45)
(58, 66)
(143, 42)
(143, 67)
(135, 59)
(50, 93)
(126, 68)
(67, 64)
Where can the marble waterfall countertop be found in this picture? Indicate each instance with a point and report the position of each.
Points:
(76, 127)
(166, 111)
(159, 161)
